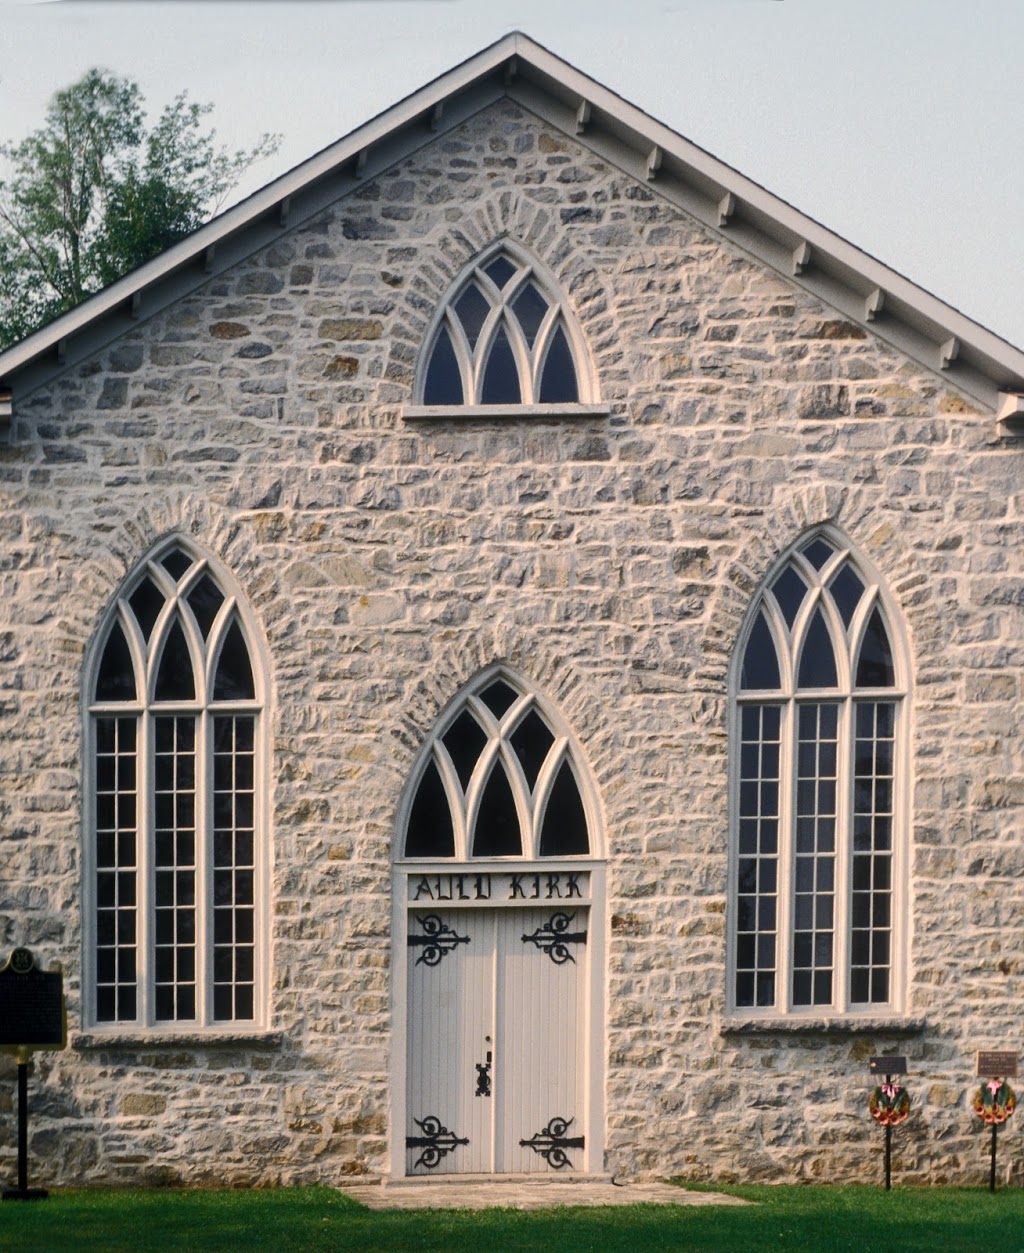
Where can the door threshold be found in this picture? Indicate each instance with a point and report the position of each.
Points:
(412, 1181)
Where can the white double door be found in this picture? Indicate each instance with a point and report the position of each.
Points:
(496, 1025)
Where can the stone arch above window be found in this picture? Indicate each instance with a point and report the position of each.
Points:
(500, 777)
(818, 805)
(503, 336)
(175, 902)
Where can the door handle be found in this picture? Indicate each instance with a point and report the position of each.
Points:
(483, 1077)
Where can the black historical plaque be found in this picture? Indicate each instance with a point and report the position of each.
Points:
(889, 1065)
(997, 1064)
(31, 1005)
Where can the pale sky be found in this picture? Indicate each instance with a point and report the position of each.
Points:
(896, 123)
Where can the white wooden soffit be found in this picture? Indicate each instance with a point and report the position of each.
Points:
(864, 290)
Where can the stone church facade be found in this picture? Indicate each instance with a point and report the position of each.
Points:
(512, 662)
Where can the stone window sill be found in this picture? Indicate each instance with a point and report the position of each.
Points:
(501, 413)
(847, 1024)
(133, 1041)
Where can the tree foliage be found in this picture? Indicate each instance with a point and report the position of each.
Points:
(94, 192)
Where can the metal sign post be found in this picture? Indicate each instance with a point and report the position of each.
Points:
(995, 1100)
(889, 1103)
(32, 1016)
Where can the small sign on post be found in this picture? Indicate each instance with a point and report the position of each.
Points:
(32, 1016)
(995, 1100)
(889, 1103)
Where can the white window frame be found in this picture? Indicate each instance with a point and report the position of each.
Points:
(788, 699)
(529, 361)
(146, 658)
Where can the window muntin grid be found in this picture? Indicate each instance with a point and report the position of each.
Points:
(504, 336)
(833, 932)
(163, 934)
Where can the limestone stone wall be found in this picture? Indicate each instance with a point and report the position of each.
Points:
(610, 560)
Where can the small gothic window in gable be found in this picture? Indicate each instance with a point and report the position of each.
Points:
(499, 697)
(465, 740)
(760, 670)
(789, 590)
(234, 679)
(818, 658)
(501, 377)
(846, 589)
(116, 678)
(875, 665)
(497, 831)
(204, 600)
(444, 382)
(174, 678)
(564, 833)
(531, 741)
(430, 832)
(176, 563)
(514, 347)
(146, 601)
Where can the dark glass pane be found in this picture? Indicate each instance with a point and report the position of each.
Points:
(499, 271)
(817, 661)
(497, 824)
(789, 590)
(472, 308)
(146, 601)
(818, 552)
(465, 740)
(531, 741)
(875, 667)
(501, 376)
(766, 988)
(116, 679)
(105, 1005)
(744, 989)
(243, 1003)
(430, 832)
(176, 563)
(234, 679)
(499, 697)
(760, 670)
(174, 679)
(443, 384)
(204, 601)
(879, 986)
(221, 1003)
(558, 383)
(801, 987)
(530, 307)
(846, 589)
(564, 833)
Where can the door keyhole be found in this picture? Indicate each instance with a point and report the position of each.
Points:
(483, 1076)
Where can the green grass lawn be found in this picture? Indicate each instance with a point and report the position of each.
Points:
(858, 1218)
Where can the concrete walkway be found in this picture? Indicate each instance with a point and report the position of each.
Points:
(525, 1194)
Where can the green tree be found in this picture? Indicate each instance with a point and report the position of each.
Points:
(93, 193)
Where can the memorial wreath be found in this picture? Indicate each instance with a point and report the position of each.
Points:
(995, 1101)
(889, 1104)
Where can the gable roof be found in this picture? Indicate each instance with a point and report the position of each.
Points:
(863, 289)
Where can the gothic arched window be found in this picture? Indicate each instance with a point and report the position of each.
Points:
(819, 715)
(504, 336)
(497, 779)
(174, 859)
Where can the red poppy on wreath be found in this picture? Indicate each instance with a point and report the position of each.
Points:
(889, 1104)
(995, 1101)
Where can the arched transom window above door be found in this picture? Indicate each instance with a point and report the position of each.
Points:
(498, 778)
(504, 338)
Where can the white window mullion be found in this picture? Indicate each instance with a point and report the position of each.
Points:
(843, 902)
(787, 859)
(204, 867)
(145, 886)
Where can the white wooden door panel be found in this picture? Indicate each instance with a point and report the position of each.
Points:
(496, 1013)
